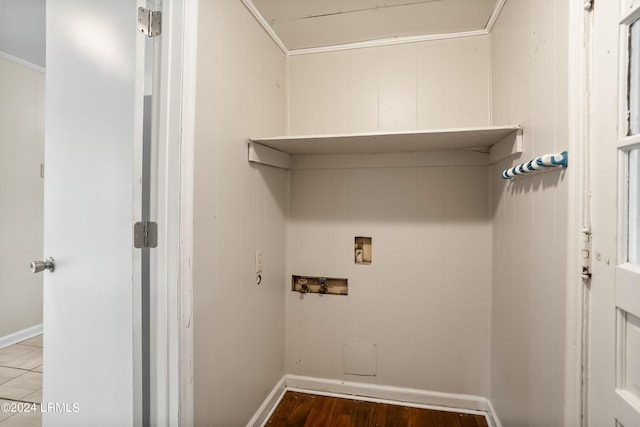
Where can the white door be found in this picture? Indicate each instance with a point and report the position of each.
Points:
(93, 144)
(614, 340)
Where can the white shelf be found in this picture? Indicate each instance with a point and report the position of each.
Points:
(387, 142)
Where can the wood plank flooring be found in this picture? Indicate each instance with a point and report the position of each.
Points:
(308, 410)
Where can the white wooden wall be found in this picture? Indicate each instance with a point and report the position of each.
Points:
(239, 208)
(440, 233)
(529, 80)
(427, 85)
(425, 300)
(21, 195)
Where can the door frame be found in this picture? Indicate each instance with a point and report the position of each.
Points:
(179, 168)
(185, 290)
(606, 56)
(578, 222)
(176, 113)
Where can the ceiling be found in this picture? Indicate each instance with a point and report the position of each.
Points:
(302, 24)
(22, 30)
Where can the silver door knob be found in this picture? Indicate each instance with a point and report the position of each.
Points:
(38, 266)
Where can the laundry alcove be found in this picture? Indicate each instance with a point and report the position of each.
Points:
(443, 306)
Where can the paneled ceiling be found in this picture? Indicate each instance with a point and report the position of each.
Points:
(302, 24)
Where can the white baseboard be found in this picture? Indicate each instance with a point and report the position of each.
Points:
(273, 398)
(396, 394)
(378, 393)
(492, 415)
(22, 335)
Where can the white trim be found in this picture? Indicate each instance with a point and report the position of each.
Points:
(22, 62)
(391, 393)
(22, 335)
(171, 342)
(494, 15)
(269, 405)
(466, 404)
(185, 285)
(173, 389)
(629, 143)
(630, 16)
(623, 81)
(387, 401)
(387, 42)
(492, 415)
(627, 289)
(577, 218)
(620, 354)
(623, 210)
(626, 406)
(265, 25)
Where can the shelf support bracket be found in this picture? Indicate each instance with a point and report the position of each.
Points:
(264, 155)
(508, 146)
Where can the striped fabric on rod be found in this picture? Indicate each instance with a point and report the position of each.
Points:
(540, 163)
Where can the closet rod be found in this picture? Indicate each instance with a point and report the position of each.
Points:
(539, 163)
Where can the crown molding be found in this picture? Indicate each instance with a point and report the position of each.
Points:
(22, 62)
(387, 42)
(494, 15)
(265, 25)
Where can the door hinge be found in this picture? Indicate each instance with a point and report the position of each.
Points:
(145, 234)
(586, 254)
(149, 22)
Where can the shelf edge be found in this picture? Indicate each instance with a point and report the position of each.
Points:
(514, 128)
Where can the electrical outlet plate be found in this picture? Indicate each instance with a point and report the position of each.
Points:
(259, 260)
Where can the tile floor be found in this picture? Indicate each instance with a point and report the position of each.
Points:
(21, 382)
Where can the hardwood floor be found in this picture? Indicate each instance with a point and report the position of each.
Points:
(308, 410)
